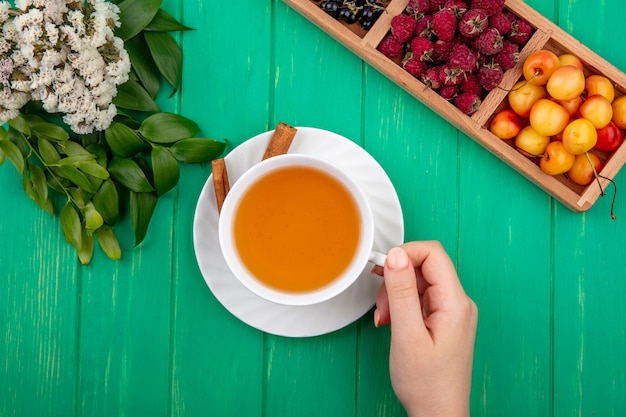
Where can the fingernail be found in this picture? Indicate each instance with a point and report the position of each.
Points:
(397, 259)
(376, 318)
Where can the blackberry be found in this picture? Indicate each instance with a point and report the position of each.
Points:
(350, 14)
(363, 12)
(331, 7)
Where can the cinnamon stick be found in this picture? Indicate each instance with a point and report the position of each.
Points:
(280, 141)
(220, 182)
(279, 144)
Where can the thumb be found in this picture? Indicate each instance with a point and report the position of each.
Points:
(404, 303)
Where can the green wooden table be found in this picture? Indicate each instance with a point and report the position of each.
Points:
(144, 336)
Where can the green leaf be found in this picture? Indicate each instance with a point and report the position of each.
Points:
(4, 135)
(14, 154)
(36, 187)
(132, 96)
(94, 169)
(79, 197)
(143, 64)
(3, 157)
(164, 22)
(166, 128)
(141, 209)
(109, 243)
(135, 15)
(93, 219)
(197, 150)
(100, 152)
(70, 223)
(77, 177)
(48, 152)
(86, 249)
(167, 56)
(29, 190)
(129, 174)
(39, 181)
(74, 160)
(123, 140)
(56, 182)
(49, 131)
(165, 168)
(20, 141)
(106, 201)
(72, 148)
(20, 123)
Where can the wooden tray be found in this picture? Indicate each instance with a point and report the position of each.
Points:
(547, 36)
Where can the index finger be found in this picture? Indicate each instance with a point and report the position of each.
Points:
(435, 265)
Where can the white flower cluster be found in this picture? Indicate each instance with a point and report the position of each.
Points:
(63, 53)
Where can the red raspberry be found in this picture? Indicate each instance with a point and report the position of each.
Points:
(489, 6)
(436, 5)
(508, 57)
(390, 46)
(432, 78)
(457, 6)
(418, 7)
(414, 65)
(448, 91)
(444, 24)
(521, 31)
(424, 27)
(471, 85)
(422, 48)
(502, 22)
(451, 76)
(442, 50)
(402, 27)
(489, 42)
(468, 103)
(463, 58)
(473, 22)
(490, 76)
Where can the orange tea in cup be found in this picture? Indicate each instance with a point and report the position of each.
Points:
(297, 229)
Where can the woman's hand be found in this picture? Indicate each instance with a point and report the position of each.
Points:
(433, 328)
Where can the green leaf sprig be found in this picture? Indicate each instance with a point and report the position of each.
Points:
(135, 160)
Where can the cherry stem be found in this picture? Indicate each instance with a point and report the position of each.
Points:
(532, 154)
(528, 81)
(614, 195)
(595, 174)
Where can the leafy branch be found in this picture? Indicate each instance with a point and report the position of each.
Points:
(136, 158)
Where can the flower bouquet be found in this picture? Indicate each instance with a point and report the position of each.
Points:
(78, 82)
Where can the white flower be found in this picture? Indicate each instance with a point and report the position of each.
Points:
(9, 31)
(8, 114)
(23, 4)
(6, 70)
(65, 54)
(52, 32)
(5, 46)
(19, 60)
(4, 11)
(33, 34)
(50, 103)
(13, 100)
(76, 19)
(54, 11)
(21, 85)
(33, 17)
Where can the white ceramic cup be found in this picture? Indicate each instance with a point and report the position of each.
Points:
(363, 254)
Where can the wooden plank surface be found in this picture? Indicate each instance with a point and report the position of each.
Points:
(145, 335)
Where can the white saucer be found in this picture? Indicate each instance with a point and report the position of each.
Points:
(316, 319)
